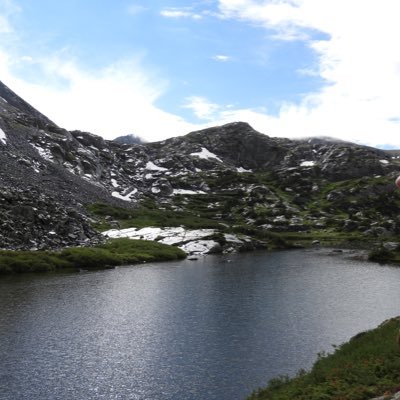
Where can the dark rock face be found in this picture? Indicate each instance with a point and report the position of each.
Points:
(35, 220)
(237, 144)
(48, 175)
(41, 202)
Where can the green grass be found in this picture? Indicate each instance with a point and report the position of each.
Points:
(329, 238)
(147, 216)
(112, 253)
(366, 366)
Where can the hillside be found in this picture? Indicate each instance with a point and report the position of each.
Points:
(236, 187)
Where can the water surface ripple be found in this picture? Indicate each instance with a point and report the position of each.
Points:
(216, 328)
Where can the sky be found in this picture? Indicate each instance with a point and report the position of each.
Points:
(157, 69)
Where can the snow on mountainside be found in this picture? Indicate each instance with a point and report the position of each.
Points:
(2, 136)
(228, 176)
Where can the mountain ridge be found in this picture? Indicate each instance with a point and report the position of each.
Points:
(231, 177)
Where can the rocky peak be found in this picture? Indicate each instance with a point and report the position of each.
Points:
(129, 139)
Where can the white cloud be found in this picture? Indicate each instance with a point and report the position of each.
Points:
(202, 107)
(179, 13)
(221, 58)
(116, 100)
(359, 61)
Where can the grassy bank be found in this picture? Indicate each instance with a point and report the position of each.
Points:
(114, 252)
(366, 366)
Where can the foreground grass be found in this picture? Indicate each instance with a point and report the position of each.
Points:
(114, 252)
(367, 366)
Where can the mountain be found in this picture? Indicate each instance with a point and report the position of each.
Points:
(129, 139)
(58, 187)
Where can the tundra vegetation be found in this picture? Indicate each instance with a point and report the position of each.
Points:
(366, 366)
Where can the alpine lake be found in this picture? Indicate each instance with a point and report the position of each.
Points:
(215, 328)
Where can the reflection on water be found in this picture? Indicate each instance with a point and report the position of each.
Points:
(216, 328)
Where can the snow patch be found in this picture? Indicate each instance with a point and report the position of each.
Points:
(307, 164)
(190, 240)
(153, 167)
(241, 169)
(126, 197)
(199, 247)
(206, 155)
(114, 183)
(3, 137)
(44, 153)
(185, 191)
(384, 161)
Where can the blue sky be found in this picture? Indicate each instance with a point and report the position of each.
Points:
(158, 69)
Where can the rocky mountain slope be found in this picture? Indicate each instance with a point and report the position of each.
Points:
(56, 186)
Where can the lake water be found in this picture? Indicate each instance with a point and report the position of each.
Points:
(216, 328)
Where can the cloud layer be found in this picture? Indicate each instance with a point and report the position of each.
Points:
(359, 62)
(115, 100)
(357, 58)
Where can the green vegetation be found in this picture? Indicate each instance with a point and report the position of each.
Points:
(282, 210)
(112, 253)
(367, 366)
(329, 238)
(148, 215)
(383, 255)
